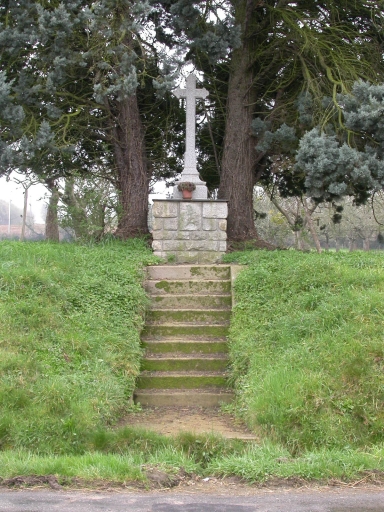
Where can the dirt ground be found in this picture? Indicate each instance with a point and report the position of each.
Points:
(190, 484)
(170, 421)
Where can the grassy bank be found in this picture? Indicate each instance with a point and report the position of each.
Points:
(307, 355)
(130, 453)
(307, 347)
(69, 340)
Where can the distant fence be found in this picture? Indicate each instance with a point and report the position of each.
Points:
(14, 232)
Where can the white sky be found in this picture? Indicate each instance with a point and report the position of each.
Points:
(38, 196)
(9, 190)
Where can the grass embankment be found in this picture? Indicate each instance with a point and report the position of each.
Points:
(69, 340)
(306, 343)
(307, 346)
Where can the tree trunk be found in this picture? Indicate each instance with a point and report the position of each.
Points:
(299, 244)
(134, 176)
(51, 221)
(366, 244)
(76, 212)
(308, 216)
(326, 242)
(352, 244)
(25, 210)
(296, 235)
(240, 158)
(239, 153)
(100, 232)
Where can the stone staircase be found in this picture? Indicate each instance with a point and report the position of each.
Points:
(185, 336)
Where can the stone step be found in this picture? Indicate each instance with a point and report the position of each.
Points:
(185, 336)
(183, 397)
(191, 301)
(185, 346)
(182, 272)
(154, 287)
(182, 362)
(181, 380)
(188, 316)
(190, 331)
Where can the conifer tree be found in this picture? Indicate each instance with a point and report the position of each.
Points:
(78, 80)
(74, 78)
(277, 54)
(288, 49)
(351, 162)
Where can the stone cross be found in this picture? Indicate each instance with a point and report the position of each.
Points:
(190, 170)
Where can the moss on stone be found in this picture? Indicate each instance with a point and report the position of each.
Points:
(163, 285)
(193, 301)
(213, 317)
(191, 347)
(181, 381)
(204, 331)
(186, 364)
(190, 286)
(221, 272)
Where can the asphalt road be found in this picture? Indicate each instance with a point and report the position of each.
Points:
(345, 500)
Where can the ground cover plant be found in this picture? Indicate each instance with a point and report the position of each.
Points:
(307, 365)
(69, 340)
(307, 347)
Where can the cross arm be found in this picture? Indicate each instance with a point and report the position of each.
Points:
(180, 93)
(198, 93)
(201, 93)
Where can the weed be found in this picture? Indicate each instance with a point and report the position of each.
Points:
(201, 448)
(253, 462)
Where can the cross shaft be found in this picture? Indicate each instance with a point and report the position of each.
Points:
(191, 94)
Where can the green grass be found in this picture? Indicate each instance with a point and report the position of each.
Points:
(69, 340)
(307, 351)
(307, 348)
(270, 460)
(206, 455)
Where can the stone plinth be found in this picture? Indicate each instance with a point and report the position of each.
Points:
(193, 231)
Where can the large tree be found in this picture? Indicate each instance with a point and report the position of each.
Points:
(77, 87)
(78, 98)
(289, 49)
(350, 163)
(260, 78)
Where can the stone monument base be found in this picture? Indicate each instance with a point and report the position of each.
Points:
(190, 231)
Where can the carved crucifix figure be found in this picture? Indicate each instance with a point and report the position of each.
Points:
(190, 170)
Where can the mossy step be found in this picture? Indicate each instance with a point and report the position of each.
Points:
(191, 301)
(183, 397)
(202, 331)
(181, 380)
(196, 287)
(185, 346)
(188, 316)
(174, 355)
(173, 364)
(203, 272)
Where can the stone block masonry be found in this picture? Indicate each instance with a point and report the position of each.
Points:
(192, 231)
